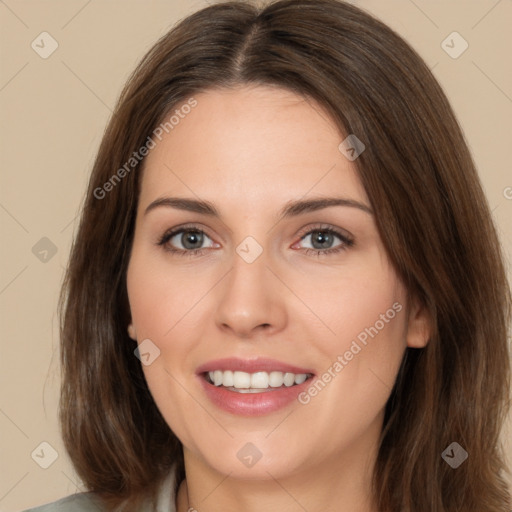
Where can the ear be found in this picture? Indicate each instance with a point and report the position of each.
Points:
(419, 325)
(131, 332)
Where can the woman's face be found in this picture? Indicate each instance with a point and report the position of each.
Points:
(283, 288)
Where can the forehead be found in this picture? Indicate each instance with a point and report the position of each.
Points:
(261, 144)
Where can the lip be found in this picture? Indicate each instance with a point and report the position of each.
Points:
(259, 364)
(251, 404)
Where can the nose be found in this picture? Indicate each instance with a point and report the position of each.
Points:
(252, 299)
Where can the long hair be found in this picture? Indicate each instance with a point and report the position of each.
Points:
(431, 214)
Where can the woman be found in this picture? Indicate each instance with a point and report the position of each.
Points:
(286, 292)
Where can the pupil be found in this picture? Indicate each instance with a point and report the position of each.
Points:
(193, 237)
(323, 238)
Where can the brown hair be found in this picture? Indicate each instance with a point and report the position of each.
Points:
(431, 214)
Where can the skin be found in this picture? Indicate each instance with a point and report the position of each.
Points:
(249, 151)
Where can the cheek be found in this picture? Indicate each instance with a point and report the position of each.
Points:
(366, 303)
(161, 297)
(164, 316)
(373, 342)
(360, 362)
(373, 313)
(363, 352)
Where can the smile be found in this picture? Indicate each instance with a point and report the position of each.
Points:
(258, 382)
(252, 387)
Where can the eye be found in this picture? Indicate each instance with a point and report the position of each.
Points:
(191, 239)
(323, 237)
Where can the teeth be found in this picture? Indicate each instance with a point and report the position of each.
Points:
(217, 377)
(241, 380)
(275, 379)
(258, 380)
(289, 379)
(228, 379)
(300, 378)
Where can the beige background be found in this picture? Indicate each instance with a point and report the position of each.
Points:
(54, 111)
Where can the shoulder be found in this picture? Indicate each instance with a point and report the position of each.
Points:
(80, 502)
(91, 502)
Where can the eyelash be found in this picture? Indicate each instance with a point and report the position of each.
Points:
(346, 241)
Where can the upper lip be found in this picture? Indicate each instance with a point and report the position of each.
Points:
(259, 364)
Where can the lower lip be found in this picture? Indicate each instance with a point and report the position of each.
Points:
(252, 404)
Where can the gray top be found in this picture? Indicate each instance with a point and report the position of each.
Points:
(90, 502)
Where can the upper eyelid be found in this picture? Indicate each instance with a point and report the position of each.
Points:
(325, 227)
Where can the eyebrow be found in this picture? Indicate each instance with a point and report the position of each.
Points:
(291, 209)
